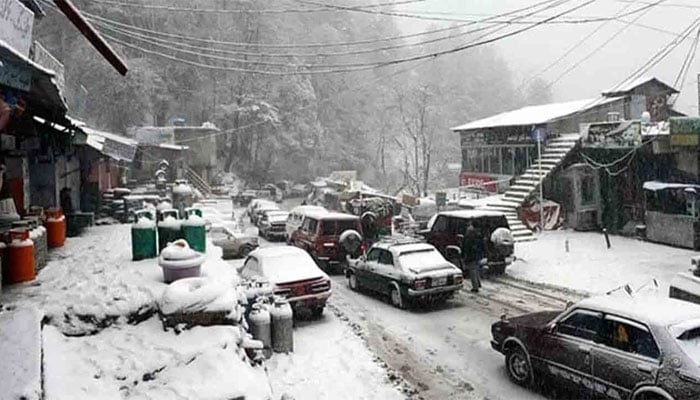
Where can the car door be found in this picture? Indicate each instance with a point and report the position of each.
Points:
(366, 275)
(627, 356)
(565, 351)
(386, 272)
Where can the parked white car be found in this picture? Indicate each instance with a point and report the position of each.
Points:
(293, 273)
(233, 244)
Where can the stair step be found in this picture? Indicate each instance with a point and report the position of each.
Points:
(522, 188)
(514, 203)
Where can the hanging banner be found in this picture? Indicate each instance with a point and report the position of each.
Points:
(685, 131)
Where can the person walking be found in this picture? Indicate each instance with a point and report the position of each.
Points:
(472, 255)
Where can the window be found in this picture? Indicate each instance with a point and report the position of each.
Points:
(457, 226)
(313, 224)
(374, 255)
(440, 224)
(629, 336)
(305, 225)
(386, 258)
(587, 190)
(582, 324)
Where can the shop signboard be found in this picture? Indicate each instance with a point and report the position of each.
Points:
(15, 76)
(118, 150)
(685, 131)
(473, 179)
(44, 58)
(16, 23)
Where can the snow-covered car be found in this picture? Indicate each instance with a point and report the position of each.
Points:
(611, 346)
(407, 271)
(293, 273)
(255, 204)
(271, 225)
(233, 244)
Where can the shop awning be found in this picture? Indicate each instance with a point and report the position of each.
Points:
(35, 82)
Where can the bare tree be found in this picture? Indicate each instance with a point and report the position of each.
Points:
(413, 110)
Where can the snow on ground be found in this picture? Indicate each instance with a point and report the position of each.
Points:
(591, 267)
(92, 278)
(20, 347)
(329, 362)
(145, 362)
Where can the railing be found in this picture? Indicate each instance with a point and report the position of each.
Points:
(198, 182)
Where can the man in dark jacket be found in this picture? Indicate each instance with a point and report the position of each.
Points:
(472, 253)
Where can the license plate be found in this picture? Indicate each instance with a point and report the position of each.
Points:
(441, 281)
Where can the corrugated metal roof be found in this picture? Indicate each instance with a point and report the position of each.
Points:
(535, 115)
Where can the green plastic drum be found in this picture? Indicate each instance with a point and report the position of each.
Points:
(169, 228)
(194, 232)
(143, 238)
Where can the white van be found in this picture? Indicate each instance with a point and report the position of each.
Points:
(296, 217)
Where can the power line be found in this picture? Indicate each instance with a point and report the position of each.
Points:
(352, 67)
(569, 51)
(602, 45)
(240, 11)
(687, 62)
(93, 17)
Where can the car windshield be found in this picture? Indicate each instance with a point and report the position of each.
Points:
(422, 260)
(337, 227)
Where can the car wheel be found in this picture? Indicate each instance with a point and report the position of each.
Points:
(518, 366)
(352, 282)
(396, 298)
(245, 251)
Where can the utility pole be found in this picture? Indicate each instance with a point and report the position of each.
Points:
(698, 94)
(539, 162)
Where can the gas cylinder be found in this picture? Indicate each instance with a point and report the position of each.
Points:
(55, 227)
(282, 326)
(20, 257)
(260, 327)
(169, 228)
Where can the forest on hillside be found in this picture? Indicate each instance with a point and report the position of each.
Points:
(297, 88)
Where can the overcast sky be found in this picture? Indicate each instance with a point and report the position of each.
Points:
(530, 52)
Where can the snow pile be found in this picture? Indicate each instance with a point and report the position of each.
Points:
(91, 282)
(194, 220)
(145, 362)
(329, 363)
(200, 294)
(20, 352)
(144, 223)
(170, 223)
(591, 267)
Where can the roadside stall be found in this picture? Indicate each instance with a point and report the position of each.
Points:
(671, 213)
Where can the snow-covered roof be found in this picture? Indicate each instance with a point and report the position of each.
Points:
(535, 115)
(650, 309)
(631, 84)
(654, 186)
(472, 213)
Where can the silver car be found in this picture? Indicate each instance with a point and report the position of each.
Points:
(233, 244)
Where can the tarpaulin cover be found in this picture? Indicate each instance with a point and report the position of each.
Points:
(552, 215)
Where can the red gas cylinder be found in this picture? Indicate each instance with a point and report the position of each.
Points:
(55, 227)
(20, 257)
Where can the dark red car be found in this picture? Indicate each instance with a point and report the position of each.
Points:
(319, 234)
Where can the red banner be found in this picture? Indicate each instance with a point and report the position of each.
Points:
(477, 180)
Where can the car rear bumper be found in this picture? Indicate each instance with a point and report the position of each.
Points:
(310, 300)
(434, 291)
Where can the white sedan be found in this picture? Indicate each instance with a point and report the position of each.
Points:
(293, 273)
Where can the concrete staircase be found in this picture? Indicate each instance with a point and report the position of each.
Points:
(527, 185)
(195, 180)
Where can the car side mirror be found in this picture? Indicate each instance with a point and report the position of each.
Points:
(453, 252)
(460, 237)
